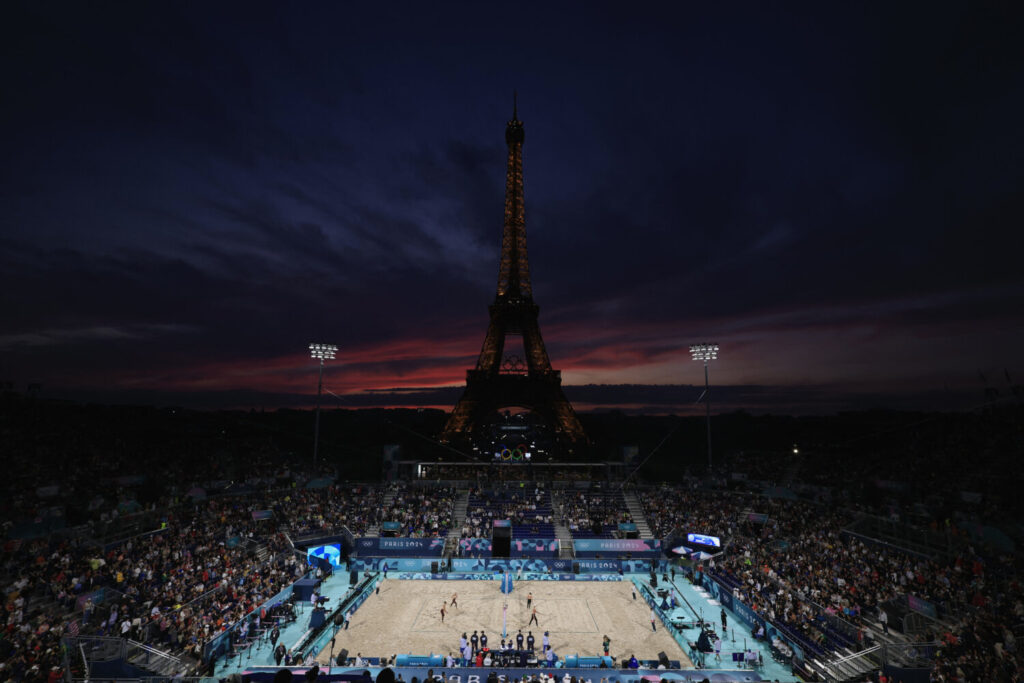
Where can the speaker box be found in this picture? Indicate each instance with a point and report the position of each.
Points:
(597, 528)
(353, 577)
(343, 656)
(433, 567)
(654, 580)
(663, 659)
(575, 567)
(501, 542)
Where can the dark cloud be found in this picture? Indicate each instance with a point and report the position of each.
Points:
(191, 194)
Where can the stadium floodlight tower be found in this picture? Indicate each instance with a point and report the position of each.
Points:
(706, 352)
(321, 352)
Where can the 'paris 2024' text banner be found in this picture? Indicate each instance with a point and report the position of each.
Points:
(617, 547)
(399, 547)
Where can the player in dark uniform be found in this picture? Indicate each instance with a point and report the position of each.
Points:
(529, 641)
(475, 640)
(483, 640)
(519, 640)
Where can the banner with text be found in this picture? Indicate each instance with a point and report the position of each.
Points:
(392, 547)
(638, 547)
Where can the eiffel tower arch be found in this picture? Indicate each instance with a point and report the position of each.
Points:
(498, 382)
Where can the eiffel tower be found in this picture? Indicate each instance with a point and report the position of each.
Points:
(498, 382)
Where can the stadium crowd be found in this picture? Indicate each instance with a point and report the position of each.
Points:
(206, 561)
(420, 511)
(593, 508)
(522, 504)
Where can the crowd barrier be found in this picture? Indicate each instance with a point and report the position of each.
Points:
(751, 619)
(475, 675)
(221, 643)
(493, 565)
(547, 548)
(521, 547)
(493, 576)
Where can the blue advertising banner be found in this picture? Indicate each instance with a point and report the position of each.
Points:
(599, 566)
(409, 547)
(514, 565)
(521, 547)
(340, 674)
(588, 547)
(492, 566)
(921, 605)
(475, 547)
(395, 564)
(493, 576)
(535, 547)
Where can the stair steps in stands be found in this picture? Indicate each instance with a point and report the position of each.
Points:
(386, 501)
(636, 511)
(565, 547)
(459, 511)
(846, 665)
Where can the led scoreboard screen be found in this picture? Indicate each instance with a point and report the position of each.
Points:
(331, 553)
(707, 541)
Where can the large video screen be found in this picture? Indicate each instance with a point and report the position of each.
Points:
(701, 539)
(331, 553)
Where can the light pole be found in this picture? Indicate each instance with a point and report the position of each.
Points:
(706, 352)
(321, 352)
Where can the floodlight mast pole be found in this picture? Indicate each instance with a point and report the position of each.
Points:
(321, 352)
(707, 406)
(706, 352)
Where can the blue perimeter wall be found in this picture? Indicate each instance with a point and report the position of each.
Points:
(491, 566)
(474, 675)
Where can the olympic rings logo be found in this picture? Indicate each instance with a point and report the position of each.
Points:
(515, 454)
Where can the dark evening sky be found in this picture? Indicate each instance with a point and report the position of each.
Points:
(193, 192)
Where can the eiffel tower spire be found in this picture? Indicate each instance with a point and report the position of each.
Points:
(513, 312)
(514, 270)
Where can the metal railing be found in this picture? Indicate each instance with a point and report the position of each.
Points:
(911, 654)
(155, 660)
(904, 537)
(98, 648)
(840, 669)
(91, 649)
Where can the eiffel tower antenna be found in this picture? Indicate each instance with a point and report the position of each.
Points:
(488, 387)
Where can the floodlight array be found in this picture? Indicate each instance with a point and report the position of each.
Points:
(704, 352)
(323, 351)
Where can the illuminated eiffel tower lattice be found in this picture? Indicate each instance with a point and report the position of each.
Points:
(500, 381)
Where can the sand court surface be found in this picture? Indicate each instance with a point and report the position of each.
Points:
(405, 617)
